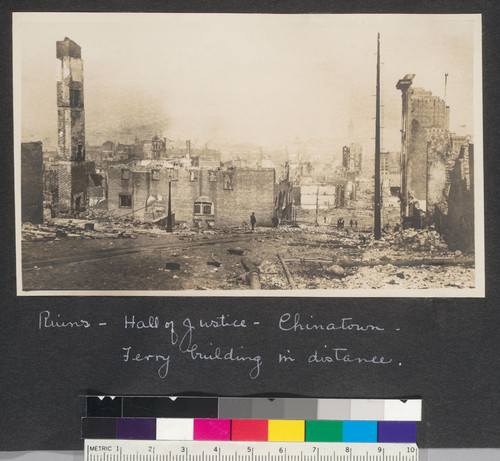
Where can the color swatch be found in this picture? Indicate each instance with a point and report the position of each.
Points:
(256, 430)
(212, 429)
(253, 430)
(174, 429)
(397, 431)
(281, 430)
(359, 431)
(136, 428)
(324, 431)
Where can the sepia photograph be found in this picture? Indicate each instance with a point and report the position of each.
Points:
(188, 154)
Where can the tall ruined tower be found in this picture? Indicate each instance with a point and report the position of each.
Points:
(72, 174)
(70, 108)
(424, 145)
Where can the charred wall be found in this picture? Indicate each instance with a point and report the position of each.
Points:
(32, 182)
(456, 221)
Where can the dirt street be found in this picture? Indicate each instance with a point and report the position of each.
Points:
(74, 256)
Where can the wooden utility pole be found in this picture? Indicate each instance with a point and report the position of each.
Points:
(377, 223)
(445, 87)
(317, 206)
(169, 215)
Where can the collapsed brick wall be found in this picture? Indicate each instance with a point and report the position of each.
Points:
(283, 200)
(432, 159)
(32, 182)
(72, 185)
(437, 154)
(150, 196)
(456, 220)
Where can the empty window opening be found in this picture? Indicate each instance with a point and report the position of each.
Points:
(173, 174)
(74, 97)
(125, 201)
(228, 181)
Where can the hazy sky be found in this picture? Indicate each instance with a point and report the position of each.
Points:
(265, 79)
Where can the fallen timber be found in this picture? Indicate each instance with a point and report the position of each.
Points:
(322, 245)
(287, 273)
(468, 261)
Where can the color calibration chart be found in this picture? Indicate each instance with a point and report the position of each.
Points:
(249, 429)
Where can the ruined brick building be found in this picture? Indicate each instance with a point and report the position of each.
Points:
(428, 152)
(201, 197)
(137, 183)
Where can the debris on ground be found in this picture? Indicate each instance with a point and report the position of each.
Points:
(315, 257)
(213, 261)
(236, 251)
(173, 266)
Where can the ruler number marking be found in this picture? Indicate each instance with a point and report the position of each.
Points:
(142, 450)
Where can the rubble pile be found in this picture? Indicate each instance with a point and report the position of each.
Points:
(391, 277)
(75, 229)
(423, 239)
(408, 243)
(272, 276)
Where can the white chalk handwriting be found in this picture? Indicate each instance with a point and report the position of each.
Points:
(210, 339)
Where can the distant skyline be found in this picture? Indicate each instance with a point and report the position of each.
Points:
(269, 80)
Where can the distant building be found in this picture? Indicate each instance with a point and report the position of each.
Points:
(94, 154)
(325, 196)
(158, 148)
(32, 182)
(352, 158)
(206, 158)
(154, 149)
(124, 152)
(390, 172)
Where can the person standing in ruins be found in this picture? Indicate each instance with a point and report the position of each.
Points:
(253, 220)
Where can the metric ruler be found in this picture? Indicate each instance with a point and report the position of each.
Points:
(162, 450)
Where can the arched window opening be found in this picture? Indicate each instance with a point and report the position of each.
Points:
(203, 206)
